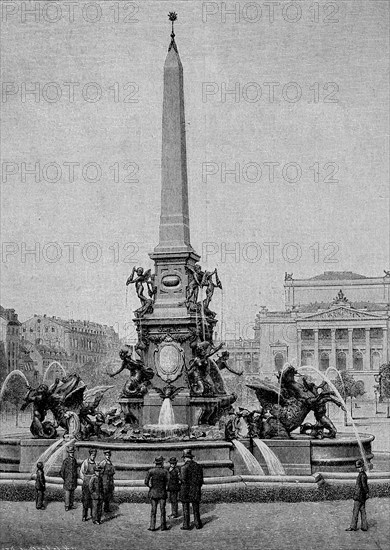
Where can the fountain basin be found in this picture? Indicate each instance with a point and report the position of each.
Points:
(165, 432)
(299, 456)
(303, 455)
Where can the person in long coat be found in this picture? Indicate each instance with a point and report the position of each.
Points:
(96, 491)
(360, 496)
(191, 475)
(87, 470)
(68, 473)
(40, 487)
(157, 480)
(174, 486)
(107, 474)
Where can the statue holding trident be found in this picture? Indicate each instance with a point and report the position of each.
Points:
(208, 282)
(200, 279)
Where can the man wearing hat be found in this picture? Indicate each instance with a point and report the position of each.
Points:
(96, 492)
(360, 496)
(173, 486)
(108, 472)
(191, 475)
(157, 480)
(86, 472)
(69, 475)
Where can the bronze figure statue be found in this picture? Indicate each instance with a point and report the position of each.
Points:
(140, 375)
(192, 290)
(288, 406)
(74, 409)
(208, 282)
(203, 374)
(140, 278)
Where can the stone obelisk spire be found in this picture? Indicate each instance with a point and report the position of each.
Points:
(174, 252)
(174, 220)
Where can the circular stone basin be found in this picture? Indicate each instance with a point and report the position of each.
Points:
(160, 431)
(339, 454)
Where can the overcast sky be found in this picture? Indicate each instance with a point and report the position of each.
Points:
(306, 131)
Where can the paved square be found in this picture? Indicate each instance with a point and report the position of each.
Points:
(246, 526)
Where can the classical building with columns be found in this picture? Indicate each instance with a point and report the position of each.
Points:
(337, 319)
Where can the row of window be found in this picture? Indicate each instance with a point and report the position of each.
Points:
(81, 359)
(342, 334)
(307, 358)
(86, 344)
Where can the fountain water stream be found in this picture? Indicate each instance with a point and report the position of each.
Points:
(52, 364)
(167, 427)
(250, 461)
(275, 467)
(56, 450)
(335, 390)
(46, 455)
(12, 373)
(166, 416)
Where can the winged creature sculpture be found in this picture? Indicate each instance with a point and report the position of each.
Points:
(139, 278)
(72, 406)
(291, 403)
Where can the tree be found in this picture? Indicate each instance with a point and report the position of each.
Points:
(15, 392)
(349, 387)
(384, 384)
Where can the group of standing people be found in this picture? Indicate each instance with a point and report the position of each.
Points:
(178, 484)
(97, 483)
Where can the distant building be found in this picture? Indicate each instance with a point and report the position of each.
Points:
(82, 341)
(50, 362)
(27, 365)
(10, 338)
(13, 354)
(338, 319)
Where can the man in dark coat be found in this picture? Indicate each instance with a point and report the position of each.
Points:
(69, 475)
(40, 487)
(108, 472)
(360, 496)
(96, 492)
(174, 486)
(191, 475)
(157, 480)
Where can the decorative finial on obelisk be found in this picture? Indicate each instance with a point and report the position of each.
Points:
(172, 16)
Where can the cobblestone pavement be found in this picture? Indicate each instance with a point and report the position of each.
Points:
(246, 526)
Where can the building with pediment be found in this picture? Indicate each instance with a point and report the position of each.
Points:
(337, 320)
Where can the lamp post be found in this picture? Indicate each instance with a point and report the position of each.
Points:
(377, 390)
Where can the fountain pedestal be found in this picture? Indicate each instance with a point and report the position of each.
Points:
(132, 408)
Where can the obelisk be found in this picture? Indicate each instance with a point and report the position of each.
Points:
(168, 331)
(173, 323)
(174, 250)
(174, 220)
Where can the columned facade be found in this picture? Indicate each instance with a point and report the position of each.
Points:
(337, 333)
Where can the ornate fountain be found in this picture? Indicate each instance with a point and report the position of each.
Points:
(175, 396)
(175, 324)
